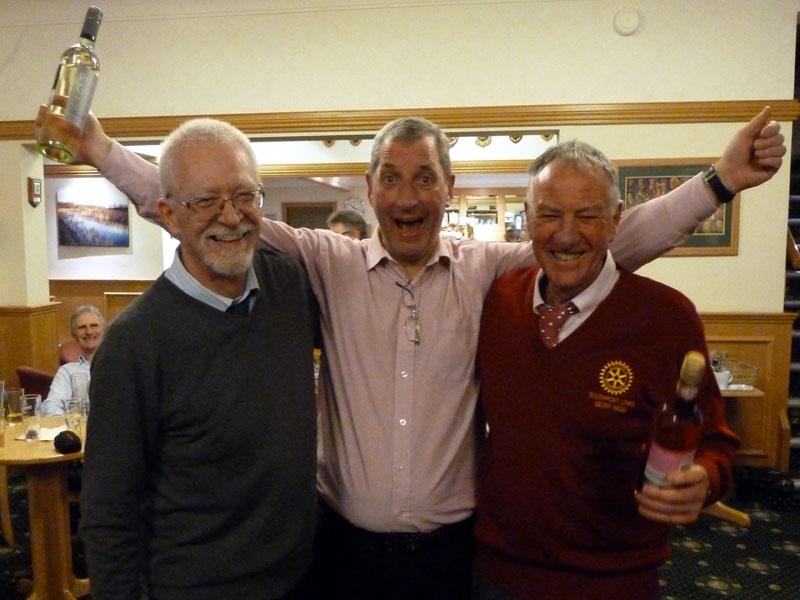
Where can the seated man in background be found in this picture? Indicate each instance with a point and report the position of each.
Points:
(348, 222)
(201, 444)
(86, 325)
(570, 411)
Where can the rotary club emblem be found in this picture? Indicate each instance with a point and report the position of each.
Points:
(616, 377)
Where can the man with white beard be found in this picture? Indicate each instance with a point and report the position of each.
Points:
(200, 456)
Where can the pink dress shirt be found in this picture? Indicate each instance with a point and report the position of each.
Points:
(397, 426)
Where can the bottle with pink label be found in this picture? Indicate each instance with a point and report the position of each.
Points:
(678, 424)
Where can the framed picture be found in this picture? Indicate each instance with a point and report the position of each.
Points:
(91, 212)
(642, 180)
(313, 215)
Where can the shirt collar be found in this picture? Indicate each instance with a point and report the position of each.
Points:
(376, 252)
(589, 298)
(187, 283)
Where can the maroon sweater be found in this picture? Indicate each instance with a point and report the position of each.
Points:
(570, 429)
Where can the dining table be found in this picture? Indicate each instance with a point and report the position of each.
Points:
(45, 473)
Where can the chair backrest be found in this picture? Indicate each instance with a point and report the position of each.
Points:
(34, 381)
(68, 351)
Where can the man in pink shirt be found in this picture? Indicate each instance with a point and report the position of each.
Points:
(400, 313)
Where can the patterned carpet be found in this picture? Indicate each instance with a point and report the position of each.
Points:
(714, 558)
(710, 559)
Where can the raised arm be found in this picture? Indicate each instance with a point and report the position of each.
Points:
(138, 179)
(752, 157)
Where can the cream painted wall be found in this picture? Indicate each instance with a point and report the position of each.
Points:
(142, 259)
(174, 57)
(22, 255)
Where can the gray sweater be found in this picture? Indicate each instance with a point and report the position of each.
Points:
(200, 456)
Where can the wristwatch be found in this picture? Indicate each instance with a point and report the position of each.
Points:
(720, 191)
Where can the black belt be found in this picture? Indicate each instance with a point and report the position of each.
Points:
(408, 542)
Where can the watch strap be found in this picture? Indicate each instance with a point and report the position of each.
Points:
(715, 183)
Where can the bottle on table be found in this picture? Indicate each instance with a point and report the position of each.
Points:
(678, 424)
(72, 93)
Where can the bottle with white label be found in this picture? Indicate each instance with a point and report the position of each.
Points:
(71, 97)
(678, 424)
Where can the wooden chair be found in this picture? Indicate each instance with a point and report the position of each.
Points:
(792, 253)
(5, 508)
(725, 512)
(34, 381)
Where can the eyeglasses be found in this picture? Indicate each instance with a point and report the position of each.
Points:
(411, 325)
(211, 206)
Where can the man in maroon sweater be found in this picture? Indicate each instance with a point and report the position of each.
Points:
(562, 512)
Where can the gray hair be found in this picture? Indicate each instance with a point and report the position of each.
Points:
(198, 131)
(351, 219)
(81, 310)
(411, 129)
(580, 155)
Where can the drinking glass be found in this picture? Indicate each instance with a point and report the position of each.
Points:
(73, 414)
(31, 406)
(12, 406)
(80, 388)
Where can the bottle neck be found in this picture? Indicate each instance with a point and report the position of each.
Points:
(685, 391)
(87, 42)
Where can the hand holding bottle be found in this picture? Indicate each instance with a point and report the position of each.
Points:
(675, 487)
(93, 144)
(73, 90)
(679, 504)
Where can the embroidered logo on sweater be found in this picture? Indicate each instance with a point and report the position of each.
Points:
(616, 377)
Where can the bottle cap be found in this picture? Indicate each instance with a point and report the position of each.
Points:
(91, 23)
(694, 363)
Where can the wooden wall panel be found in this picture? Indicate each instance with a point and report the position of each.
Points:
(30, 336)
(758, 417)
(27, 337)
(73, 293)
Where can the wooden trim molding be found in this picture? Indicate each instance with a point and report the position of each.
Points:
(24, 311)
(322, 169)
(481, 118)
(778, 318)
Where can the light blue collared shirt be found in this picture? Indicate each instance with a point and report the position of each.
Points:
(587, 301)
(61, 387)
(187, 283)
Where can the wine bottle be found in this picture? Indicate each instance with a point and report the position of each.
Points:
(678, 424)
(71, 97)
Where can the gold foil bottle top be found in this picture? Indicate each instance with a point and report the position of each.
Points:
(694, 364)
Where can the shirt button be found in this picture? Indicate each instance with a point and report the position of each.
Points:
(403, 422)
(403, 374)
